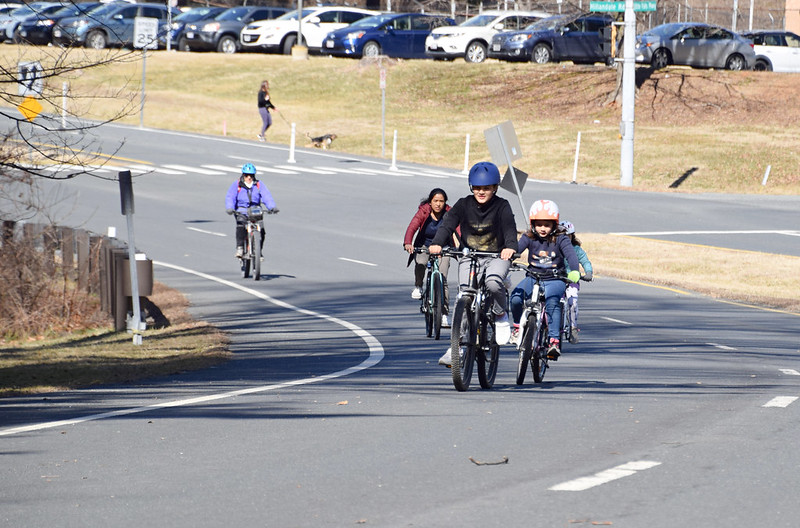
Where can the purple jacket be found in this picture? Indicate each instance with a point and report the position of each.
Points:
(239, 197)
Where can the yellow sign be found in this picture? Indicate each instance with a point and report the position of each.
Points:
(30, 108)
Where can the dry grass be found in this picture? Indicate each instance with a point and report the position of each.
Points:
(720, 273)
(101, 356)
(730, 125)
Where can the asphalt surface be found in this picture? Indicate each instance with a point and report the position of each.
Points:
(674, 410)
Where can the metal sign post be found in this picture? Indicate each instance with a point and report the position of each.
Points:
(126, 197)
(145, 36)
(504, 148)
(383, 112)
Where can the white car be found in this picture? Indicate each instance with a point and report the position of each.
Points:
(471, 38)
(777, 51)
(281, 34)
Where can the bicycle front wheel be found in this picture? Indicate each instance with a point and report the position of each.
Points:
(539, 356)
(564, 333)
(246, 259)
(488, 355)
(526, 348)
(256, 255)
(462, 343)
(436, 302)
(425, 307)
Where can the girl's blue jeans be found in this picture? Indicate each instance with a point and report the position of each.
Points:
(553, 290)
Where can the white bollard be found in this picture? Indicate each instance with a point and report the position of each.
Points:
(64, 90)
(466, 157)
(577, 154)
(394, 153)
(766, 175)
(291, 145)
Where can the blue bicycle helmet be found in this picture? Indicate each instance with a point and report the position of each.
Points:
(249, 168)
(484, 173)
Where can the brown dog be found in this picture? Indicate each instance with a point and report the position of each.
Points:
(322, 142)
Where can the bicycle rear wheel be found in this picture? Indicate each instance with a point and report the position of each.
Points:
(256, 255)
(526, 348)
(488, 355)
(462, 341)
(539, 356)
(564, 333)
(436, 305)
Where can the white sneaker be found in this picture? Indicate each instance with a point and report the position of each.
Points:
(447, 358)
(445, 322)
(260, 137)
(416, 293)
(502, 329)
(239, 251)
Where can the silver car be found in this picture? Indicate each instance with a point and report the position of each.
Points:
(694, 44)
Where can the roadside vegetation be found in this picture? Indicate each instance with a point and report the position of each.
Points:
(727, 126)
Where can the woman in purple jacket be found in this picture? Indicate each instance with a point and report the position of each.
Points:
(425, 223)
(245, 193)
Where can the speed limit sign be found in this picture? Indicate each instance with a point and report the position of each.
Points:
(145, 33)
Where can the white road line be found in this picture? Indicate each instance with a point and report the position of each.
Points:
(224, 168)
(791, 372)
(357, 261)
(780, 401)
(277, 171)
(752, 232)
(721, 347)
(304, 169)
(207, 232)
(376, 354)
(198, 170)
(616, 320)
(625, 470)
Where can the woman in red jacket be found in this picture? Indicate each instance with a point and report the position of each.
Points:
(425, 223)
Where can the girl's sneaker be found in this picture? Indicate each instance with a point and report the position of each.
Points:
(554, 350)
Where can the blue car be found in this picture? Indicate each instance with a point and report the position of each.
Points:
(400, 35)
(559, 38)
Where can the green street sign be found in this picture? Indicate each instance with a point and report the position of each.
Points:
(618, 6)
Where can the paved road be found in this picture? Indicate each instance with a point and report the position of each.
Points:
(675, 410)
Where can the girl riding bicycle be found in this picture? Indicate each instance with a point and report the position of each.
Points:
(572, 289)
(487, 224)
(425, 223)
(245, 193)
(548, 248)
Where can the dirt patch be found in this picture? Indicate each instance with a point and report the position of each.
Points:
(669, 97)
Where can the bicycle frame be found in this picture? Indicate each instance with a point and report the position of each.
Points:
(251, 259)
(432, 296)
(473, 327)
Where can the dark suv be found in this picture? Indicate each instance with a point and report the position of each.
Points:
(558, 38)
(222, 32)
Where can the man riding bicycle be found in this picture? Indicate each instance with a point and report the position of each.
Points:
(245, 193)
(487, 224)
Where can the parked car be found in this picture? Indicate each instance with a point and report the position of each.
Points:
(694, 44)
(280, 35)
(559, 38)
(39, 30)
(108, 25)
(175, 30)
(775, 51)
(399, 35)
(471, 38)
(10, 21)
(222, 32)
